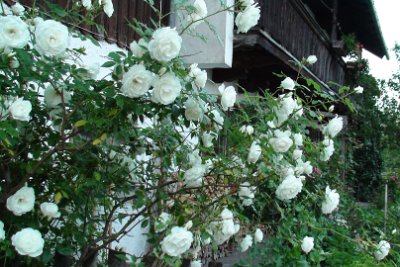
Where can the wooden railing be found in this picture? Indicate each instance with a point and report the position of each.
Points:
(292, 25)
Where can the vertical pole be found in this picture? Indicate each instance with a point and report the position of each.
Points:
(334, 21)
(386, 202)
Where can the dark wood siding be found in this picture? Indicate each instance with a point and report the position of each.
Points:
(293, 26)
(116, 27)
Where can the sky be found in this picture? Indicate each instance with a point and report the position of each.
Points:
(388, 12)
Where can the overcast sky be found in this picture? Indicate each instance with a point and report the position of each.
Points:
(389, 18)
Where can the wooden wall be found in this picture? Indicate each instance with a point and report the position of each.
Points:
(116, 27)
(293, 26)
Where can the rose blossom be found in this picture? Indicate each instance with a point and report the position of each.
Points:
(382, 250)
(331, 201)
(334, 126)
(193, 111)
(22, 201)
(18, 9)
(52, 38)
(246, 243)
(137, 48)
(87, 4)
(200, 12)
(248, 18)
(108, 7)
(308, 244)
(2, 232)
(258, 236)
(194, 176)
(28, 242)
(166, 89)
(137, 81)
(254, 153)
(289, 188)
(247, 129)
(165, 44)
(218, 120)
(225, 228)
(288, 84)
(177, 242)
(196, 263)
(14, 31)
(228, 96)
(311, 59)
(359, 90)
(198, 76)
(297, 153)
(282, 142)
(50, 210)
(207, 139)
(246, 193)
(298, 139)
(20, 109)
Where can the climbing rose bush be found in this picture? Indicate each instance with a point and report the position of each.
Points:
(85, 160)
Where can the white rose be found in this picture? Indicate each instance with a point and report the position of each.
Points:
(331, 201)
(196, 263)
(228, 96)
(198, 76)
(22, 201)
(285, 108)
(258, 236)
(297, 154)
(246, 243)
(53, 97)
(93, 70)
(177, 242)
(200, 12)
(207, 139)
(28, 242)
(193, 111)
(20, 109)
(108, 7)
(308, 244)
(334, 126)
(162, 222)
(194, 176)
(18, 9)
(137, 81)
(303, 167)
(2, 232)
(248, 18)
(165, 44)
(247, 129)
(282, 142)
(298, 139)
(382, 250)
(218, 120)
(14, 32)
(138, 48)
(328, 149)
(52, 38)
(87, 4)
(288, 84)
(166, 89)
(359, 90)
(289, 188)
(331, 108)
(311, 59)
(194, 158)
(224, 229)
(246, 193)
(50, 210)
(5, 9)
(254, 153)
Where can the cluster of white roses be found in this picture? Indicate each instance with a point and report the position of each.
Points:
(197, 15)
(28, 241)
(248, 15)
(107, 5)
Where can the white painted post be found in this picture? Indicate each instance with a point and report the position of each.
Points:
(214, 53)
(386, 202)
